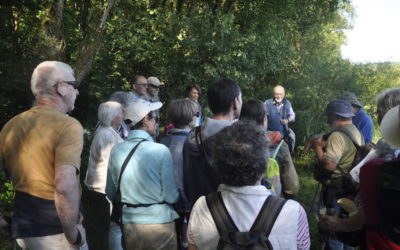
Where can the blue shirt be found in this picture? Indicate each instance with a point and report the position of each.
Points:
(147, 179)
(363, 122)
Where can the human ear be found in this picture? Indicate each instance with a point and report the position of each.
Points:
(62, 89)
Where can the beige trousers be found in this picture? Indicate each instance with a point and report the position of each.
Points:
(150, 236)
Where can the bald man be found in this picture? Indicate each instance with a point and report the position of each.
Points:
(279, 111)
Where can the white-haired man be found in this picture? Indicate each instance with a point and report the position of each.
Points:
(41, 149)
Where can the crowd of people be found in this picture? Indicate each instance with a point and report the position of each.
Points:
(227, 180)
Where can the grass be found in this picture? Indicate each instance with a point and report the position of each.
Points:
(306, 194)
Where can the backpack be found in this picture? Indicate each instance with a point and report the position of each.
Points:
(389, 199)
(199, 176)
(257, 237)
(273, 174)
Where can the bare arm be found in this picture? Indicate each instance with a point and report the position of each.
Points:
(319, 151)
(337, 224)
(66, 197)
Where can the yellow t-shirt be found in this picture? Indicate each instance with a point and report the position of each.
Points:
(340, 148)
(34, 143)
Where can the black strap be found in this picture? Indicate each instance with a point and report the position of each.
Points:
(199, 143)
(268, 214)
(220, 214)
(143, 205)
(264, 222)
(118, 194)
(350, 136)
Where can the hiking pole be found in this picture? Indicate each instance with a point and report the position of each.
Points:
(315, 197)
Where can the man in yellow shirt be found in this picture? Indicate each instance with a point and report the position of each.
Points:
(41, 149)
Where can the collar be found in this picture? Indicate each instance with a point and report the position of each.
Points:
(257, 190)
(178, 130)
(275, 103)
(139, 134)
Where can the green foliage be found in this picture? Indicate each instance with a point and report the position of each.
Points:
(6, 195)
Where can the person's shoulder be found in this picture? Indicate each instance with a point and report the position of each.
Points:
(70, 121)
(286, 101)
(269, 100)
(200, 206)
(292, 206)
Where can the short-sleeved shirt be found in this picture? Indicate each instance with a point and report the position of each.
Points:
(32, 145)
(340, 148)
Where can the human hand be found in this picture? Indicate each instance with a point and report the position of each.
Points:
(312, 141)
(330, 222)
(318, 143)
(284, 121)
(80, 233)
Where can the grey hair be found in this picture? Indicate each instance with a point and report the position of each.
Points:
(107, 112)
(181, 112)
(46, 75)
(386, 100)
(122, 97)
(240, 153)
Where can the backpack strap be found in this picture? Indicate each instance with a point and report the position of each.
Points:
(277, 149)
(268, 214)
(220, 214)
(200, 144)
(344, 131)
(118, 195)
(351, 137)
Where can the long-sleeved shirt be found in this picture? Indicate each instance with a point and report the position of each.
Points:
(103, 141)
(363, 122)
(147, 179)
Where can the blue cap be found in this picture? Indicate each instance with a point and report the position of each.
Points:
(339, 107)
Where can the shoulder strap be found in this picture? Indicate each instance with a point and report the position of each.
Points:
(118, 194)
(277, 149)
(344, 131)
(200, 143)
(268, 214)
(219, 213)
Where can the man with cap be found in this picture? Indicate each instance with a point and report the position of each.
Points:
(147, 185)
(139, 88)
(335, 152)
(361, 120)
(153, 87)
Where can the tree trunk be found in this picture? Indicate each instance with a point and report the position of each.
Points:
(52, 44)
(91, 44)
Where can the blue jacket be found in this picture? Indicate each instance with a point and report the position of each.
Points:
(364, 123)
(147, 179)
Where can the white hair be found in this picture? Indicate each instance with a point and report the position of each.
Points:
(46, 75)
(107, 112)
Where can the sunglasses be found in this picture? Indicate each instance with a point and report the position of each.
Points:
(197, 114)
(74, 84)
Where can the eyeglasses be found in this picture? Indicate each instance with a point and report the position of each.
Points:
(74, 84)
